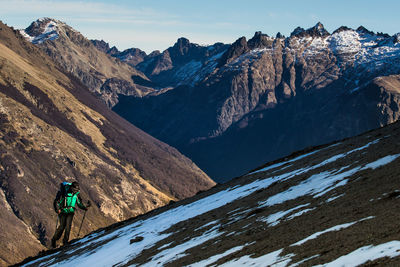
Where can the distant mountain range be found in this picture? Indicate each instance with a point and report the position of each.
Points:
(232, 107)
(52, 129)
(333, 205)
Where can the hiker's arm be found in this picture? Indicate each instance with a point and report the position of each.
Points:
(56, 203)
(80, 204)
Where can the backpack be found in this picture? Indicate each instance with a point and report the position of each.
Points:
(64, 187)
(68, 199)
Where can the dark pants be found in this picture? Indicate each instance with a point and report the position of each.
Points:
(65, 223)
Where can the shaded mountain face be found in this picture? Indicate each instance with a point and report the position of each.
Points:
(334, 205)
(53, 129)
(265, 97)
(102, 74)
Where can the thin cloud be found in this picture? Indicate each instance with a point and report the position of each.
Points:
(138, 21)
(81, 10)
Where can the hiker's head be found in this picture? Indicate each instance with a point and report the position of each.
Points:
(75, 187)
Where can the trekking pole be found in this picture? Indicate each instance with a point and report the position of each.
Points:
(84, 214)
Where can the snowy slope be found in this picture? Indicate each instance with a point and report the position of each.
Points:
(328, 206)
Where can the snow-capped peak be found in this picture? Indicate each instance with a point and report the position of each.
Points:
(42, 30)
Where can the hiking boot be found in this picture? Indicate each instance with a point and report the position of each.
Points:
(53, 243)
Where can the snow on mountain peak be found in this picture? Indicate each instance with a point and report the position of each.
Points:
(43, 29)
(359, 47)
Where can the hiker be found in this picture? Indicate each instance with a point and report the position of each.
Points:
(64, 205)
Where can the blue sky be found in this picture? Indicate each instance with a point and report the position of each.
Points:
(157, 24)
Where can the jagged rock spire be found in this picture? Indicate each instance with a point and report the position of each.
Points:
(317, 31)
(259, 40)
(238, 48)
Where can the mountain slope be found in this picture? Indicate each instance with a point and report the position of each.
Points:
(102, 74)
(331, 205)
(268, 96)
(52, 128)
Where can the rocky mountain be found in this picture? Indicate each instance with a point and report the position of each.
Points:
(333, 205)
(102, 74)
(131, 56)
(262, 98)
(53, 129)
(183, 63)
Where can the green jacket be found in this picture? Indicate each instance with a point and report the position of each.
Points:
(68, 202)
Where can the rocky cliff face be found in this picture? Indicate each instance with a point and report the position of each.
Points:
(77, 55)
(266, 97)
(53, 129)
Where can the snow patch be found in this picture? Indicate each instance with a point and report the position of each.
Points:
(333, 198)
(315, 185)
(208, 224)
(304, 260)
(178, 251)
(270, 259)
(188, 70)
(274, 219)
(334, 228)
(215, 258)
(368, 253)
(299, 213)
(381, 162)
(285, 162)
